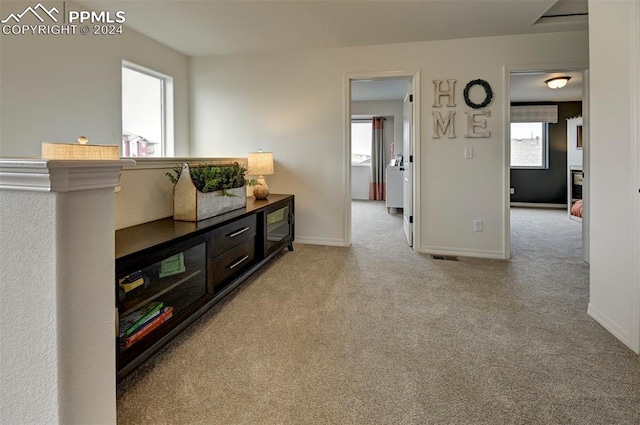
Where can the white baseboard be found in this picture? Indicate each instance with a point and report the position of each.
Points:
(462, 252)
(319, 241)
(537, 205)
(610, 325)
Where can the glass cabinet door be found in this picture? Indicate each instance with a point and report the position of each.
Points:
(148, 298)
(278, 226)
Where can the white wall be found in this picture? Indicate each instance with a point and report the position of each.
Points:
(293, 104)
(614, 40)
(56, 88)
(17, 351)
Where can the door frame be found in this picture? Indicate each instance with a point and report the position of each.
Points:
(381, 75)
(507, 70)
(635, 134)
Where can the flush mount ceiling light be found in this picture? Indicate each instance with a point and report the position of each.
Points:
(557, 82)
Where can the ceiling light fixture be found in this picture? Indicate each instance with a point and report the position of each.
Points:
(557, 82)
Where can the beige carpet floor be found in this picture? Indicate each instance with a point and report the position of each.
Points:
(377, 334)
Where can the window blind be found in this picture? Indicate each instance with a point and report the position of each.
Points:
(535, 113)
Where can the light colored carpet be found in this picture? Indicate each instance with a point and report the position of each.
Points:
(377, 334)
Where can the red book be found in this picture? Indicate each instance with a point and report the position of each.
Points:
(147, 329)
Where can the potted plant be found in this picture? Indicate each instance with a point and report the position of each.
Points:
(205, 190)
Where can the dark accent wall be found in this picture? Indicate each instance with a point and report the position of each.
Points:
(548, 186)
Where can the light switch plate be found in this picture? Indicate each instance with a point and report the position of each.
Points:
(468, 153)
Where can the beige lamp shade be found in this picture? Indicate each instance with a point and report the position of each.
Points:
(260, 163)
(80, 150)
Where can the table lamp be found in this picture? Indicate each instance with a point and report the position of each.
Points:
(260, 164)
(80, 150)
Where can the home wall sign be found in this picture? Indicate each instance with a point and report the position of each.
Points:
(444, 122)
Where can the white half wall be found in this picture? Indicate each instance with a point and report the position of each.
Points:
(58, 87)
(293, 105)
(613, 37)
(57, 322)
(146, 193)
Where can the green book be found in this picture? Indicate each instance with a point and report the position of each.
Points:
(131, 322)
(172, 265)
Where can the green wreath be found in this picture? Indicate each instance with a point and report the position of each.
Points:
(487, 90)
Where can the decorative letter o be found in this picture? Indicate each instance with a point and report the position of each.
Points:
(487, 90)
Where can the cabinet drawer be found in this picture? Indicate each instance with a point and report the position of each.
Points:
(233, 234)
(232, 264)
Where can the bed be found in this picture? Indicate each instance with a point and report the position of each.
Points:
(576, 208)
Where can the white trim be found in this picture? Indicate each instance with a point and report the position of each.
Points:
(417, 164)
(346, 161)
(320, 241)
(586, 165)
(462, 252)
(506, 172)
(537, 205)
(634, 16)
(41, 175)
(506, 177)
(609, 324)
(168, 118)
(415, 79)
(144, 70)
(141, 163)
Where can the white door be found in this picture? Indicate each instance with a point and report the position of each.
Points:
(407, 177)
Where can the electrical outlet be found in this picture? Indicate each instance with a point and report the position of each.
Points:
(513, 191)
(477, 225)
(468, 153)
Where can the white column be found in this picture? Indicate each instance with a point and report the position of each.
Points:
(57, 296)
(614, 293)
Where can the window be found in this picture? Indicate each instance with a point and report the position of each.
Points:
(147, 112)
(529, 145)
(361, 142)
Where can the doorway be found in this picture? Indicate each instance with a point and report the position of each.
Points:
(380, 170)
(545, 156)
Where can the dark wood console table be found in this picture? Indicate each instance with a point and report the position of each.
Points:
(174, 271)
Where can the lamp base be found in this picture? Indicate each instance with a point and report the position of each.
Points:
(261, 190)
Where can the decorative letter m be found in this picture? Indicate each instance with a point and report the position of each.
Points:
(442, 125)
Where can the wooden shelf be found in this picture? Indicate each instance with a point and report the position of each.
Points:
(152, 294)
